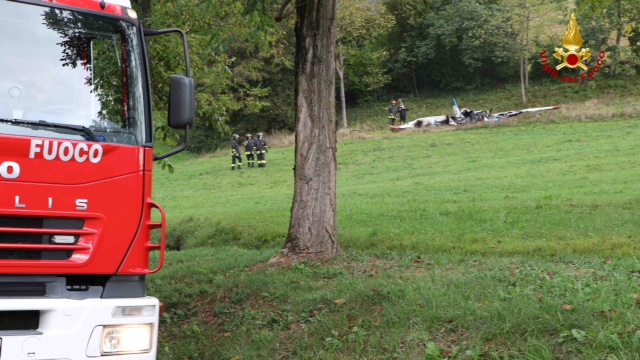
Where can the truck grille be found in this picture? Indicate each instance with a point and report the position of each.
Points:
(19, 320)
(23, 289)
(30, 238)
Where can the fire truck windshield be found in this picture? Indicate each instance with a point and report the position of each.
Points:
(72, 68)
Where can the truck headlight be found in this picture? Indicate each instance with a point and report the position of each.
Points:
(120, 339)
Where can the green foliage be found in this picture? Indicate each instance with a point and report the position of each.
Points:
(243, 61)
(634, 38)
(165, 164)
(230, 50)
(607, 19)
(362, 26)
(450, 44)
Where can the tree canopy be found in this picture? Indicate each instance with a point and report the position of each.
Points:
(243, 60)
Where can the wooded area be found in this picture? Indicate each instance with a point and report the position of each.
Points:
(243, 60)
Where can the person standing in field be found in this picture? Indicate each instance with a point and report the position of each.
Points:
(393, 112)
(402, 110)
(235, 153)
(261, 150)
(250, 150)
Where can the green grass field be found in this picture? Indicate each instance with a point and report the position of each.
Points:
(515, 241)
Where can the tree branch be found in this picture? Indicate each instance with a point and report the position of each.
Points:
(280, 15)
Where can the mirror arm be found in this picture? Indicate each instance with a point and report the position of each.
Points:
(175, 151)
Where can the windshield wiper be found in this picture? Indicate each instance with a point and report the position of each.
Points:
(79, 128)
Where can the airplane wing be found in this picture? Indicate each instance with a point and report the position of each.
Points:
(541, 109)
(508, 114)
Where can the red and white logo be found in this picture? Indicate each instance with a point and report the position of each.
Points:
(573, 57)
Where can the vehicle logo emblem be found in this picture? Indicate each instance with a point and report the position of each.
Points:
(573, 57)
(572, 41)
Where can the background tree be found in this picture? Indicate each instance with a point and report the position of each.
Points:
(606, 23)
(362, 58)
(450, 44)
(529, 21)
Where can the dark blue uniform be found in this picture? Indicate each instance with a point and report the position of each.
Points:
(393, 113)
(235, 153)
(250, 150)
(261, 150)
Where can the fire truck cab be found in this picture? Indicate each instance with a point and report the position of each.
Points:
(76, 161)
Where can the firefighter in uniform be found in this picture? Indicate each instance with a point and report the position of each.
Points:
(250, 150)
(402, 110)
(261, 150)
(235, 153)
(393, 112)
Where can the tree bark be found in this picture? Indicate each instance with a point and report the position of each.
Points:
(523, 90)
(526, 72)
(524, 43)
(312, 230)
(343, 100)
(526, 49)
(415, 80)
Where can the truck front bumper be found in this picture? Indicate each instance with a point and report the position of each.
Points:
(118, 329)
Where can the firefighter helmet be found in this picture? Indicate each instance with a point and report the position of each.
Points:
(248, 136)
(259, 134)
(235, 136)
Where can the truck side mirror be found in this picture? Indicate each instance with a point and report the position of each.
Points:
(182, 95)
(182, 103)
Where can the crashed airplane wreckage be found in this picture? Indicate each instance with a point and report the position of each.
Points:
(466, 116)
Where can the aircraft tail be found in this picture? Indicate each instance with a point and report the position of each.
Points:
(456, 110)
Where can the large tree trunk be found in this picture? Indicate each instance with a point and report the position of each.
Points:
(312, 231)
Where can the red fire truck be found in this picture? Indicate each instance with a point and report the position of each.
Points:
(76, 159)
